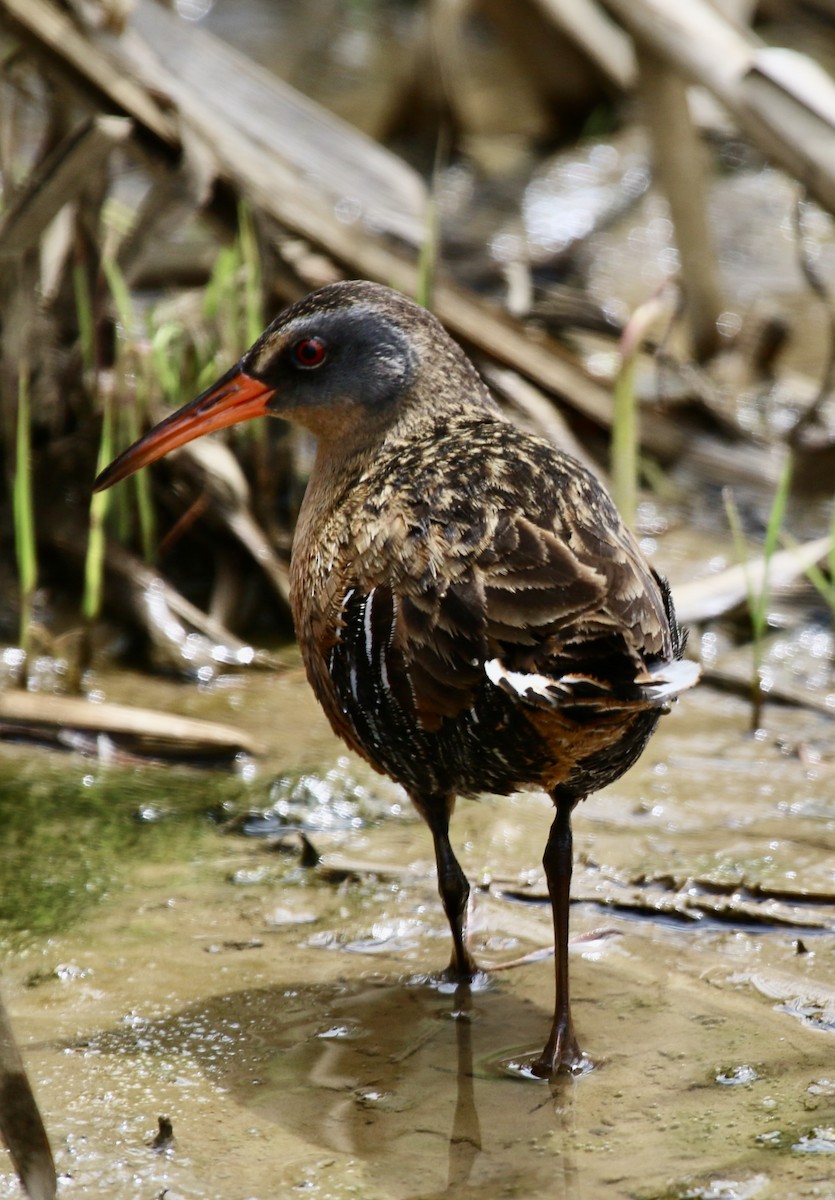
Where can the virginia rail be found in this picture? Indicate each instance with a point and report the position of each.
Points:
(472, 612)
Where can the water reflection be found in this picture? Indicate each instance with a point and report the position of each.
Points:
(465, 1140)
(398, 1074)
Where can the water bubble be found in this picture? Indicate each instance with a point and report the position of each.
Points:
(818, 1141)
(734, 1076)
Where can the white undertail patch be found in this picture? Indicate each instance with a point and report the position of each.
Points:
(668, 679)
(659, 684)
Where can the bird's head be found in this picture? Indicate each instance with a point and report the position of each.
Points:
(346, 358)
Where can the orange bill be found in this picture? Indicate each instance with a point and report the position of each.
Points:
(234, 398)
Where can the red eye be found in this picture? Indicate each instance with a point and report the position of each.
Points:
(309, 352)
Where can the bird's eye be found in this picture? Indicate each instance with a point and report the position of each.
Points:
(309, 352)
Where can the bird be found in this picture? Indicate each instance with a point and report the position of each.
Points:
(472, 612)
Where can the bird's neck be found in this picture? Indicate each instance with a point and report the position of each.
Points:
(335, 469)
(345, 452)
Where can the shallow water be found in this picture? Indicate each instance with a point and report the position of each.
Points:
(284, 1019)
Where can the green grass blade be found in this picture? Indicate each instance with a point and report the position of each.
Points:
(822, 581)
(167, 359)
(141, 482)
(758, 597)
(428, 259)
(623, 450)
(221, 302)
(120, 292)
(94, 562)
(84, 313)
(251, 260)
(430, 246)
(821, 584)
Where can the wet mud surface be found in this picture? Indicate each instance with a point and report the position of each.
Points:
(285, 1017)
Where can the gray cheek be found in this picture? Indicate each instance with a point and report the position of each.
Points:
(392, 372)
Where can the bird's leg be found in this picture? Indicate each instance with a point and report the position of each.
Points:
(562, 1048)
(452, 884)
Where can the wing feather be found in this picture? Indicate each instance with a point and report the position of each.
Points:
(528, 567)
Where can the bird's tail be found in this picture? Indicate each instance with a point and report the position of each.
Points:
(652, 688)
(665, 680)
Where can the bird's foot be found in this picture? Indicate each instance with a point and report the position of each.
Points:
(466, 974)
(463, 973)
(562, 1053)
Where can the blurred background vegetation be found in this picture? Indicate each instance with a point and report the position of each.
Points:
(622, 210)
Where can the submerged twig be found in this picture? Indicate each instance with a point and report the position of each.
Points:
(21, 1125)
